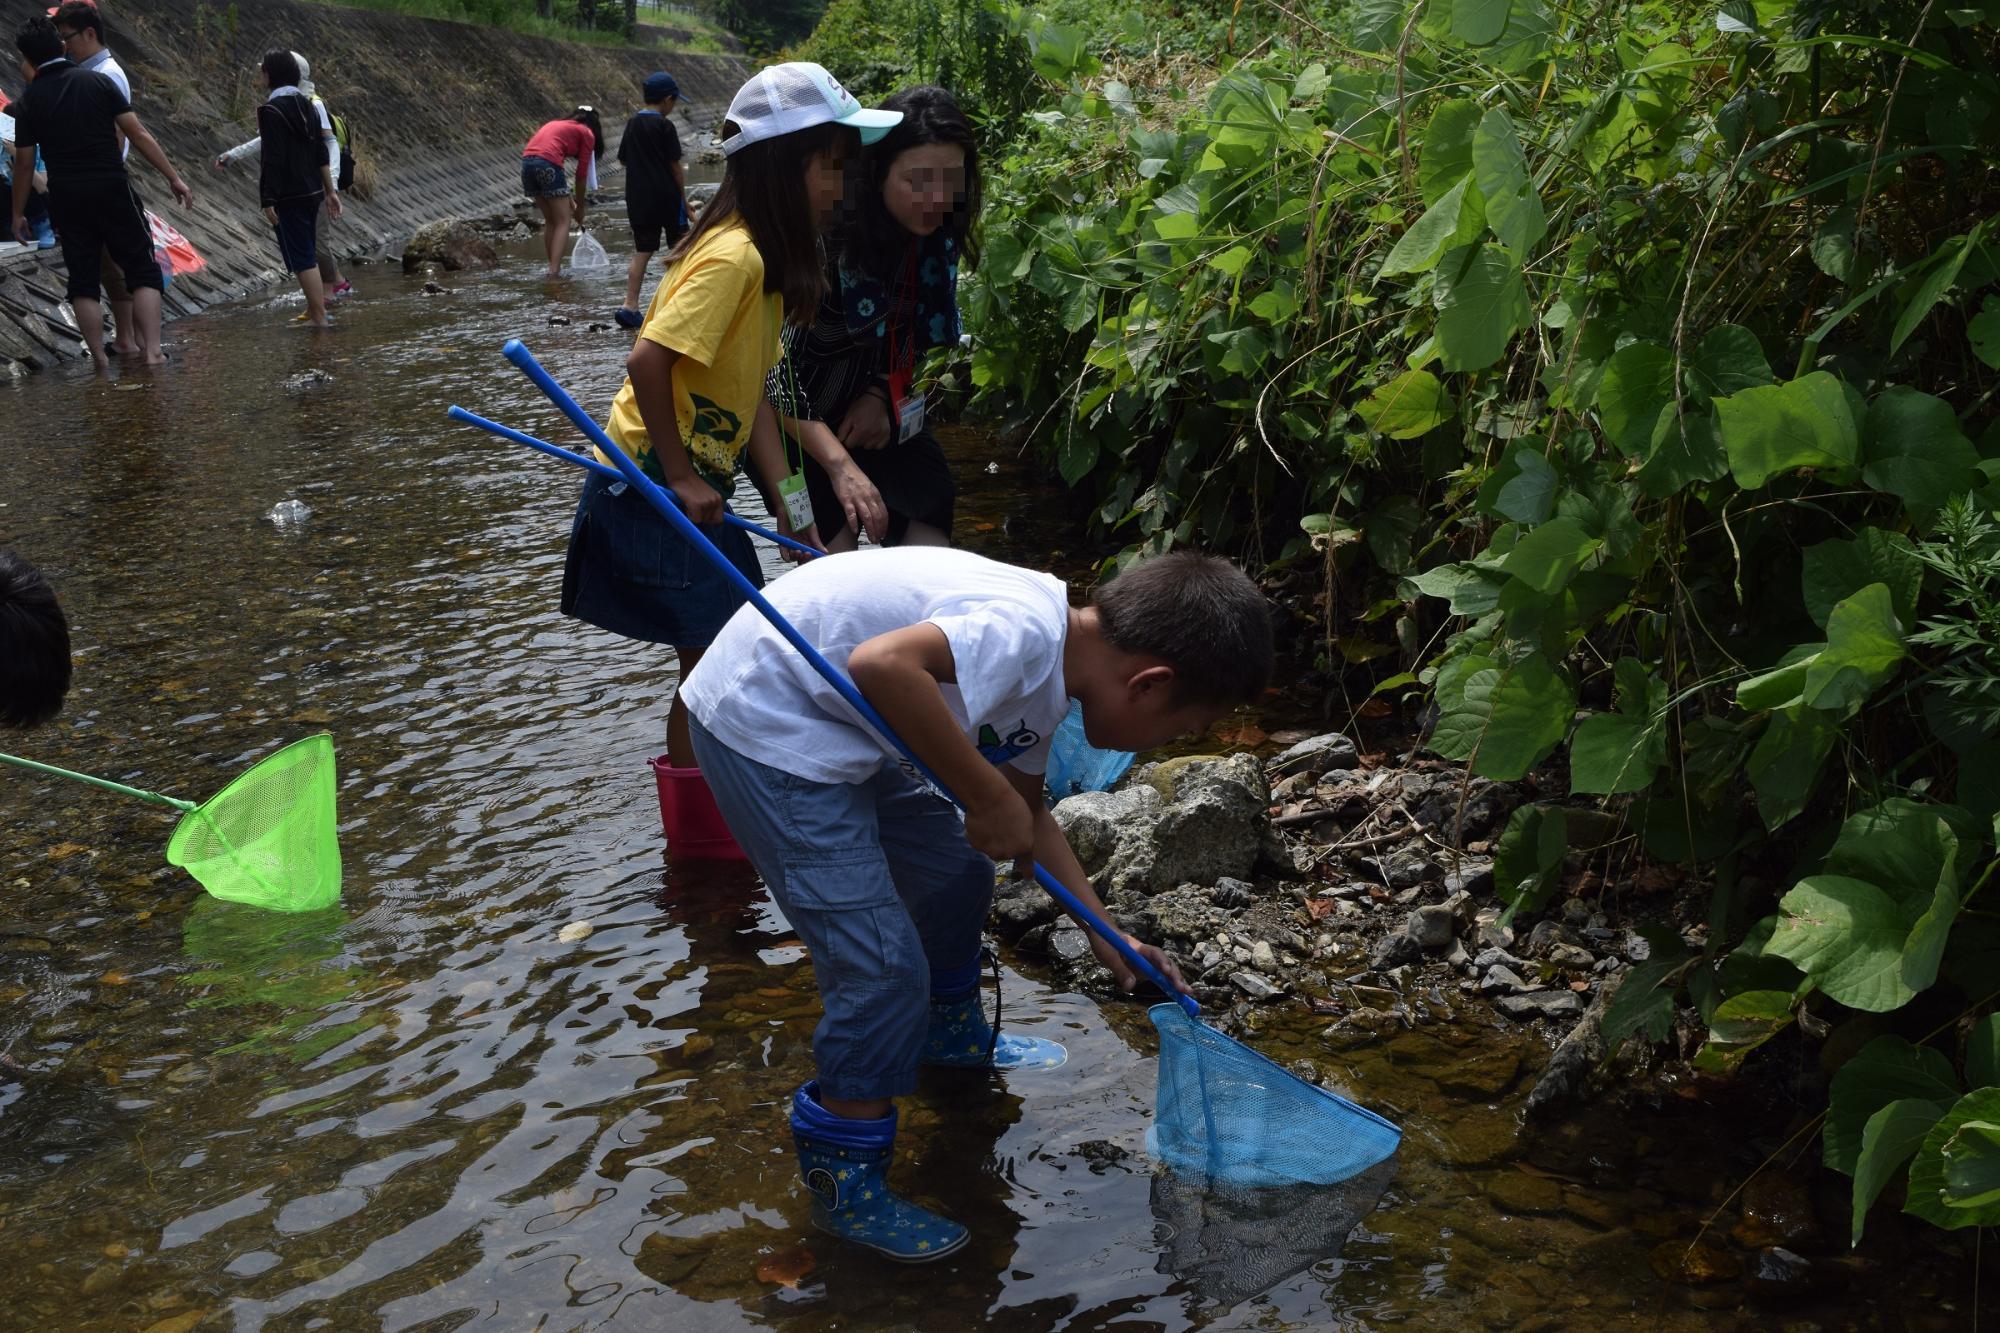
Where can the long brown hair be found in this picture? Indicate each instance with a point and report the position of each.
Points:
(764, 185)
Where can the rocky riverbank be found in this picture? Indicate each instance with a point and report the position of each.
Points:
(439, 109)
(1356, 886)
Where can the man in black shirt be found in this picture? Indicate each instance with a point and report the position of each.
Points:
(75, 116)
(655, 178)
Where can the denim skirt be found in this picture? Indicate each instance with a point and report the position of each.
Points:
(628, 571)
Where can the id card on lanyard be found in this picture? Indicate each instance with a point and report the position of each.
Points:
(905, 409)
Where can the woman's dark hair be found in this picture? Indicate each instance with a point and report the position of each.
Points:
(869, 238)
(764, 184)
(587, 115)
(34, 642)
(38, 41)
(281, 69)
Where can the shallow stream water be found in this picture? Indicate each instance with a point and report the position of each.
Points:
(422, 1109)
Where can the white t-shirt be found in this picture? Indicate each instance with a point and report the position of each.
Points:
(1006, 627)
(104, 64)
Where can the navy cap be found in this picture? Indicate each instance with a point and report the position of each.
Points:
(659, 85)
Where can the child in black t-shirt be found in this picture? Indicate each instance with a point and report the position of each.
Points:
(655, 179)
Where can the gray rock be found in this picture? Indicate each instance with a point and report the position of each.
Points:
(1544, 937)
(1568, 955)
(1263, 957)
(1407, 868)
(1551, 1004)
(1275, 856)
(1432, 927)
(1069, 944)
(1232, 892)
(1503, 980)
(1019, 905)
(1394, 950)
(1492, 956)
(1321, 754)
(1469, 875)
(1637, 947)
(1254, 986)
(1183, 913)
(1576, 1062)
(1490, 932)
(452, 243)
(1214, 825)
(1111, 831)
(1458, 957)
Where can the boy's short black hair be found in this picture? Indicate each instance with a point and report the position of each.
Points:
(34, 644)
(38, 41)
(281, 68)
(1200, 615)
(76, 15)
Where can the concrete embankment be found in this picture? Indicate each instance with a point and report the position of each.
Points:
(439, 109)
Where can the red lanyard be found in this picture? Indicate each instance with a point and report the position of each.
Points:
(901, 367)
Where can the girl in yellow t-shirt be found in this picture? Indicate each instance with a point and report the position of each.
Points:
(693, 399)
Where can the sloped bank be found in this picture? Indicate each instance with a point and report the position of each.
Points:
(439, 109)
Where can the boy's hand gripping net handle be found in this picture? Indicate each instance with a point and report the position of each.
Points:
(586, 461)
(524, 360)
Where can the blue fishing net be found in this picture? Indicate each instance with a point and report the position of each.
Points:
(1232, 1115)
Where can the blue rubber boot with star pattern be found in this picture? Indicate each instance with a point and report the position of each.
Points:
(961, 1038)
(845, 1163)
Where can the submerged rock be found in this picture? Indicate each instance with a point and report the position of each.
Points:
(1551, 1004)
(452, 243)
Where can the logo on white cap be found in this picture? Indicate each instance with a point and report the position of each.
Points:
(797, 95)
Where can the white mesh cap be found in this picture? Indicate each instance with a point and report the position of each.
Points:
(798, 95)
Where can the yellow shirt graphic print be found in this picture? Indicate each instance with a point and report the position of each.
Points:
(711, 307)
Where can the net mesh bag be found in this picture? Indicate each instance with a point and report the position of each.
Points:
(270, 838)
(1232, 1115)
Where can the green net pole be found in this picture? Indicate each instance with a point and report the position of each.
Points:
(155, 797)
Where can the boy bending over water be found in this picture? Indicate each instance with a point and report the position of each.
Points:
(974, 664)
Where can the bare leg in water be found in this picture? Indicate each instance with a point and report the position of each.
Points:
(555, 230)
(315, 292)
(680, 750)
(90, 320)
(146, 324)
(635, 277)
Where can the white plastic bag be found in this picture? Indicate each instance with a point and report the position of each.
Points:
(588, 253)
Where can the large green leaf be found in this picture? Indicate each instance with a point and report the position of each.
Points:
(1481, 304)
(1728, 361)
(1915, 451)
(1687, 448)
(1887, 1069)
(1505, 719)
(1454, 220)
(1982, 1053)
(1638, 385)
(1406, 406)
(1547, 557)
(1447, 156)
(1972, 1165)
(1740, 1025)
(1513, 209)
(1931, 1195)
(1861, 945)
(1983, 332)
(1864, 646)
(1785, 766)
(1783, 684)
(1522, 486)
(1527, 860)
(1471, 590)
(1803, 423)
(1478, 22)
(1840, 567)
(1900, 845)
(1622, 751)
(1889, 1138)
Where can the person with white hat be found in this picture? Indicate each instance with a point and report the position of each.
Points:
(693, 400)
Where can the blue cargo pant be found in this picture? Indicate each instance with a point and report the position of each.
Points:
(880, 883)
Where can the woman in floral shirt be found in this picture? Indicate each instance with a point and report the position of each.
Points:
(892, 297)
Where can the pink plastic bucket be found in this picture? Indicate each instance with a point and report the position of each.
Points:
(693, 825)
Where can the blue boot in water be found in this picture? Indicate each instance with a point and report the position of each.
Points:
(845, 1163)
(961, 1038)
